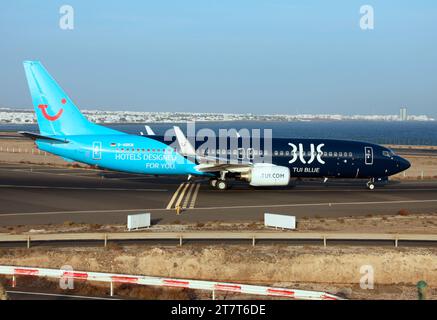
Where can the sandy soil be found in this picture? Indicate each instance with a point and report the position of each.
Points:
(403, 222)
(334, 269)
(26, 152)
(3, 295)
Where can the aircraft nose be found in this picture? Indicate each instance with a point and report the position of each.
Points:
(404, 164)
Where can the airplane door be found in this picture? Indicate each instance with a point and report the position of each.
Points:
(97, 150)
(368, 155)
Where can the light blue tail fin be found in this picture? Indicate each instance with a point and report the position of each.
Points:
(55, 112)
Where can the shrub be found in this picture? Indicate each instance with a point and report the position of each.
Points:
(403, 212)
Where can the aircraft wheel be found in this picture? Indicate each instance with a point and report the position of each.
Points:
(213, 183)
(221, 185)
(370, 186)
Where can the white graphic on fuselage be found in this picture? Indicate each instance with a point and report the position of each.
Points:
(315, 153)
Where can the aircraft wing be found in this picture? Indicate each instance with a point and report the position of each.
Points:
(209, 163)
(217, 167)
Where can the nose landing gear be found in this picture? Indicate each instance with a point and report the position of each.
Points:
(371, 184)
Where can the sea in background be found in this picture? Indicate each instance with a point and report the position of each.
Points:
(381, 132)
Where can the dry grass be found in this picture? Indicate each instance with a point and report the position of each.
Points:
(3, 294)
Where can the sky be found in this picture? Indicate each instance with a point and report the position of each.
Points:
(238, 56)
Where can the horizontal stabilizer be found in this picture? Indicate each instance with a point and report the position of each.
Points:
(36, 136)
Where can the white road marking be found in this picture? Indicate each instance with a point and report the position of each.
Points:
(328, 189)
(224, 207)
(76, 212)
(58, 295)
(181, 196)
(71, 174)
(170, 204)
(318, 204)
(77, 188)
(187, 198)
(193, 200)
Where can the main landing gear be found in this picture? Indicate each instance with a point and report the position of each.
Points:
(371, 184)
(218, 184)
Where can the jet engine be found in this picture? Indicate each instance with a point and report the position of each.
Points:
(267, 175)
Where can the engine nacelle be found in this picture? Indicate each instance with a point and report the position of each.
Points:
(267, 175)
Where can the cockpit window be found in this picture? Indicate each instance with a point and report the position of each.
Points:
(387, 153)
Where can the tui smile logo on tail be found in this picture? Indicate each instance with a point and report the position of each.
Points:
(44, 107)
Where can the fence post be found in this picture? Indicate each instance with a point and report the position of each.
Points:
(324, 241)
(180, 241)
(111, 289)
(28, 242)
(213, 294)
(14, 281)
(253, 241)
(106, 239)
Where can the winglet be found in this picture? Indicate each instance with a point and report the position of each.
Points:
(186, 148)
(149, 130)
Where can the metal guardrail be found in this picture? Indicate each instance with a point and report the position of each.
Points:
(218, 235)
(212, 286)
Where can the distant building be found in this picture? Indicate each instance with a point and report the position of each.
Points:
(403, 114)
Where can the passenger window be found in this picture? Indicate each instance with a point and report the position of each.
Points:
(281, 153)
(276, 153)
(330, 154)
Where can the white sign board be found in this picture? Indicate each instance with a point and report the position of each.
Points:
(137, 221)
(279, 221)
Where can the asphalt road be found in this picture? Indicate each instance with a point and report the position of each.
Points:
(32, 194)
(31, 294)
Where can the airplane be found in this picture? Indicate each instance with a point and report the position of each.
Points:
(66, 132)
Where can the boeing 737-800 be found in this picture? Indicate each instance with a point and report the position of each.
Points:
(65, 132)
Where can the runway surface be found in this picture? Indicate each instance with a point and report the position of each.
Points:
(31, 294)
(33, 194)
